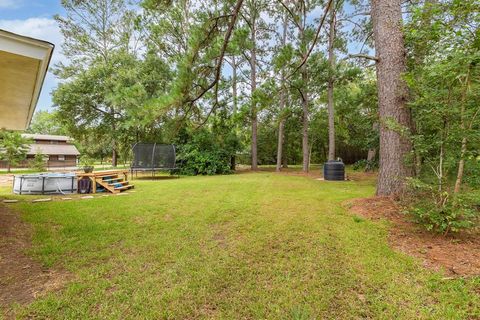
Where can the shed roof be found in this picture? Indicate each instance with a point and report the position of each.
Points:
(54, 149)
(23, 65)
(36, 136)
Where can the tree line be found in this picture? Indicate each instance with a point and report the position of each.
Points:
(278, 82)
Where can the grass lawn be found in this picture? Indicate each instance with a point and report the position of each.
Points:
(245, 246)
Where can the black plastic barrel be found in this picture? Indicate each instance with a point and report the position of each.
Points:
(334, 170)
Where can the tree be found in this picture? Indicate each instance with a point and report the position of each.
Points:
(331, 81)
(254, 15)
(444, 89)
(99, 40)
(283, 98)
(13, 148)
(394, 115)
(38, 162)
(45, 122)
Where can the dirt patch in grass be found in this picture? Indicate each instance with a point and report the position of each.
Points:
(457, 255)
(6, 180)
(22, 279)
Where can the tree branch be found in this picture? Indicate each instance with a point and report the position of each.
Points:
(317, 34)
(290, 13)
(363, 56)
(218, 67)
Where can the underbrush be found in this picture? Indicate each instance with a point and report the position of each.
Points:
(365, 165)
(439, 210)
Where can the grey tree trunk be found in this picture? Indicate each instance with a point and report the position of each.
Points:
(281, 124)
(281, 133)
(253, 87)
(114, 139)
(305, 152)
(392, 96)
(461, 163)
(331, 82)
(234, 85)
(372, 153)
(304, 94)
(461, 166)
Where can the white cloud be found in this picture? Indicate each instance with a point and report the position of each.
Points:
(10, 4)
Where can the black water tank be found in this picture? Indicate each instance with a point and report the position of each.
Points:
(334, 170)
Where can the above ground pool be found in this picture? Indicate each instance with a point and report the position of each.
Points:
(45, 183)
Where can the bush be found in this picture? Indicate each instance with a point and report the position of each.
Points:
(194, 161)
(472, 172)
(207, 153)
(440, 211)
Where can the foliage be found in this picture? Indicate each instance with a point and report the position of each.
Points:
(441, 211)
(444, 78)
(105, 82)
(45, 122)
(207, 153)
(195, 161)
(39, 162)
(13, 147)
(86, 161)
(365, 165)
(472, 172)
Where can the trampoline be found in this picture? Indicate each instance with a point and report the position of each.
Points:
(153, 157)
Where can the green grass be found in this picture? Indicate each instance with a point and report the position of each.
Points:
(245, 246)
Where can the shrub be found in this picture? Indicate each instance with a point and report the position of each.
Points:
(207, 153)
(194, 161)
(38, 162)
(472, 172)
(440, 211)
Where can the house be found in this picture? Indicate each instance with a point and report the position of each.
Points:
(59, 151)
(23, 65)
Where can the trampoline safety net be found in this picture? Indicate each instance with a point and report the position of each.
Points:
(153, 156)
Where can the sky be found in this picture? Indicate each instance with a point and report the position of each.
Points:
(34, 18)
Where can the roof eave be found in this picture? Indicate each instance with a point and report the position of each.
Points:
(43, 69)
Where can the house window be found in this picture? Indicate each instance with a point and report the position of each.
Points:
(61, 158)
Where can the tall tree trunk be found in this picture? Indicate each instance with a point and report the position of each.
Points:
(372, 152)
(304, 92)
(281, 124)
(114, 139)
(114, 157)
(253, 87)
(461, 166)
(461, 163)
(281, 133)
(392, 96)
(331, 80)
(285, 152)
(234, 85)
(305, 120)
